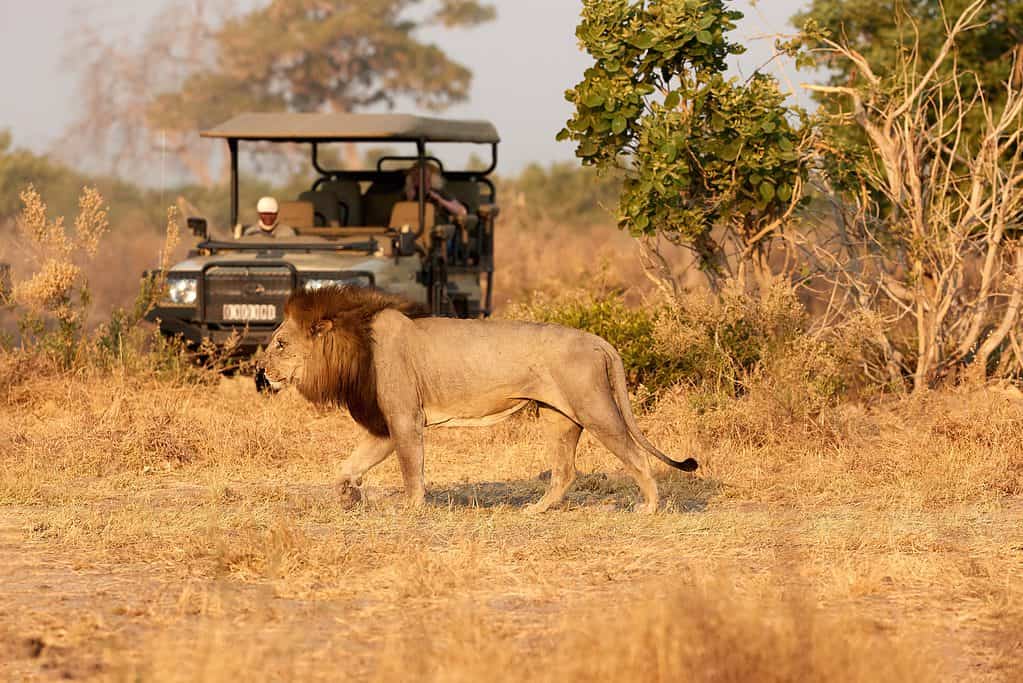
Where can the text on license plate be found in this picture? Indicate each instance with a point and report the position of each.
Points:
(250, 312)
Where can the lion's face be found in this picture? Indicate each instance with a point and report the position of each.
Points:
(285, 357)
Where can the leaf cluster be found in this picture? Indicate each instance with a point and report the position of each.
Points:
(698, 149)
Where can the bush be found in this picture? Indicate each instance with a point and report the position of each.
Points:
(724, 345)
(51, 301)
(631, 331)
(566, 193)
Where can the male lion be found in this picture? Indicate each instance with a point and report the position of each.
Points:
(359, 348)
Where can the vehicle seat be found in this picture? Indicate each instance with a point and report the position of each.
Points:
(379, 201)
(326, 207)
(465, 191)
(407, 213)
(348, 200)
(296, 214)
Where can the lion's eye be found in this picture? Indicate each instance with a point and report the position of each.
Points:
(280, 344)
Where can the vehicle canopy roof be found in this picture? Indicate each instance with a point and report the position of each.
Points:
(306, 127)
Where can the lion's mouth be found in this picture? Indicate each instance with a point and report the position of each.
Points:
(264, 382)
(272, 382)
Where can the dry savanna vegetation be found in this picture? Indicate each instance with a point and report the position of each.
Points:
(823, 309)
(161, 522)
(162, 531)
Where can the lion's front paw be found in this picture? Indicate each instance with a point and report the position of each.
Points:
(537, 508)
(349, 494)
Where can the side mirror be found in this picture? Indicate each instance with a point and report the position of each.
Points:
(197, 226)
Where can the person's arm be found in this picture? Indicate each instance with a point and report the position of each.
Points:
(452, 206)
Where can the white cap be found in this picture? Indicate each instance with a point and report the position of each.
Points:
(266, 205)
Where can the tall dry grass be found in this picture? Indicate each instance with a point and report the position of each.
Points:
(536, 253)
(75, 277)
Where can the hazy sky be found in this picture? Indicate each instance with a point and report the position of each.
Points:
(522, 62)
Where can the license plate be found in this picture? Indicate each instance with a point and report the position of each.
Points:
(250, 312)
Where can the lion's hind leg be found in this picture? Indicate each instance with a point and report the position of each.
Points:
(562, 435)
(602, 417)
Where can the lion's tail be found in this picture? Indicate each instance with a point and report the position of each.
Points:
(616, 376)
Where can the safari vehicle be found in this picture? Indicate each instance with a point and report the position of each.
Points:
(353, 226)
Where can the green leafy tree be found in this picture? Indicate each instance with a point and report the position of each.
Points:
(884, 32)
(299, 55)
(339, 55)
(711, 163)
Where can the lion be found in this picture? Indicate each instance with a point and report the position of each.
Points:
(399, 372)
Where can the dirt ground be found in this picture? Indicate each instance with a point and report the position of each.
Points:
(157, 532)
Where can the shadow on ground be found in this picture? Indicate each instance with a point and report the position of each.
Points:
(679, 492)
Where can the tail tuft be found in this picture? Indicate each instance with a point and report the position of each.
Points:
(687, 465)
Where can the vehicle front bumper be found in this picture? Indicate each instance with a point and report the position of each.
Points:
(175, 321)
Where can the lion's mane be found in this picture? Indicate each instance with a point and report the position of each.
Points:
(339, 369)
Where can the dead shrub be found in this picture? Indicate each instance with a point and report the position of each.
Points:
(56, 295)
(727, 346)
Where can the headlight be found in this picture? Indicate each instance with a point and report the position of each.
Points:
(182, 290)
(319, 282)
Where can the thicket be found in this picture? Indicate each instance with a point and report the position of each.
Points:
(723, 346)
(915, 170)
(136, 207)
(573, 197)
(51, 303)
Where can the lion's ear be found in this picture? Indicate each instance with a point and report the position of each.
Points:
(322, 327)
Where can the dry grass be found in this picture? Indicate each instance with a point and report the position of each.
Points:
(536, 253)
(164, 530)
(160, 532)
(113, 276)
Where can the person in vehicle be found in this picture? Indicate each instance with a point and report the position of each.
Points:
(435, 194)
(268, 225)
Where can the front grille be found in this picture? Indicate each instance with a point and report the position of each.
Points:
(260, 285)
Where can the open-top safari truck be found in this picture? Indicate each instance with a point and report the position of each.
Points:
(353, 226)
